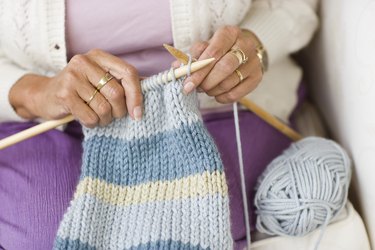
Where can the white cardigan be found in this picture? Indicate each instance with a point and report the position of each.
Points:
(32, 39)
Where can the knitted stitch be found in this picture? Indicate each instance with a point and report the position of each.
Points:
(153, 184)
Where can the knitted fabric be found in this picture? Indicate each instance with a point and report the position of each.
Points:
(153, 184)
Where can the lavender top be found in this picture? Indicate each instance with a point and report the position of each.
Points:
(135, 34)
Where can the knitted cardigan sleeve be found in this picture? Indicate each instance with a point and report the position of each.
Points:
(283, 26)
(9, 74)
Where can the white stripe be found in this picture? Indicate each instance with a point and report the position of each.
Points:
(203, 221)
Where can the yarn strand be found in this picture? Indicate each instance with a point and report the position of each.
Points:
(242, 175)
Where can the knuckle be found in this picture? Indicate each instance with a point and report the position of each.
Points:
(231, 96)
(130, 71)
(226, 66)
(205, 88)
(104, 108)
(115, 93)
(199, 46)
(70, 77)
(243, 44)
(215, 51)
(222, 87)
(78, 60)
(212, 92)
(231, 30)
(91, 121)
(219, 89)
(94, 52)
(197, 77)
(64, 95)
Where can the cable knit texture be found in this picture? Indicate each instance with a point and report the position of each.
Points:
(33, 40)
(153, 184)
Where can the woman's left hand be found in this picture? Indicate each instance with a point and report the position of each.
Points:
(221, 79)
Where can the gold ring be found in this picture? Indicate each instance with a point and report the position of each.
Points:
(239, 75)
(104, 80)
(92, 97)
(242, 58)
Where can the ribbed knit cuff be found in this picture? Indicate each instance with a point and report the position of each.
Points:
(9, 74)
(181, 24)
(283, 27)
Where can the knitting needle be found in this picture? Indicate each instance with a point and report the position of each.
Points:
(271, 120)
(263, 114)
(48, 125)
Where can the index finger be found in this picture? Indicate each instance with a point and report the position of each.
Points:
(129, 80)
(218, 46)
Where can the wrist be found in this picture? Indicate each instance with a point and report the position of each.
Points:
(25, 93)
(260, 50)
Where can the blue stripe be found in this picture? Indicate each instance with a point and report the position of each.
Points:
(169, 155)
(66, 244)
(170, 244)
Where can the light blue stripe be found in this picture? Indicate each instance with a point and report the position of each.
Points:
(171, 155)
(164, 110)
(65, 244)
(202, 220)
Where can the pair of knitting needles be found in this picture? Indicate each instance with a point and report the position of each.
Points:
(179, 72)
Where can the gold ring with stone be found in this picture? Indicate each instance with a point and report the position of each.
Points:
(104, 80)
(239, 75)
(242, 58)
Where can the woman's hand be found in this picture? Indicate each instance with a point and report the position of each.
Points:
(221, 79)
(69, 91)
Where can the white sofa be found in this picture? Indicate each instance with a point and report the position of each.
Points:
(346, 233)
(340, 68)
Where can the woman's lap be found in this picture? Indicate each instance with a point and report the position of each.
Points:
(37, 180)
(38, 176)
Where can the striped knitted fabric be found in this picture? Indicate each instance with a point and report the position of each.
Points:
(153, 184)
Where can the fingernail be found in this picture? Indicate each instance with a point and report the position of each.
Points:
(188, 87)
(137, 112)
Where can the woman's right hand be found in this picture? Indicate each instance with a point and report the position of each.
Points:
(67, 93)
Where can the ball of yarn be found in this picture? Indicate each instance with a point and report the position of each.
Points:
(303, 189)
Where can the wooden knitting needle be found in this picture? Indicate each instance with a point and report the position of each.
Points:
(271, 120)
(263, 114)
(48, 125)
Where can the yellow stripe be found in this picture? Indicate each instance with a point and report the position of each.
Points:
(192, 186)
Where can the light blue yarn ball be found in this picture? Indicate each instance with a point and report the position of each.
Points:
(303, 189)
